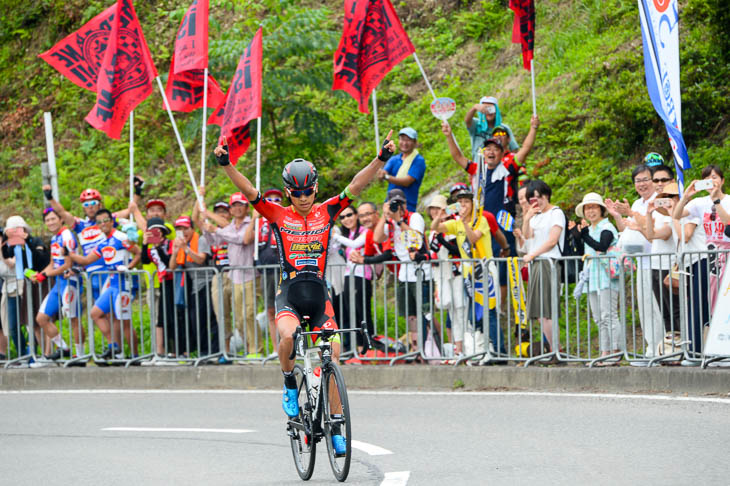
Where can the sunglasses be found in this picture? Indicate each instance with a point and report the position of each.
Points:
(88, 204)
(662, 180)
(273, 199)
(345, 216)
(102, 221)
(305, 192)
(499, 134)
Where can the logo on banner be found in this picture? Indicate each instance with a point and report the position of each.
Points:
(661, 5)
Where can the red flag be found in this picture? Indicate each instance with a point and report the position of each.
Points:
(79, 55)
(126, 74)
(185, 84)
(373, 42)
(523, 29)
(243, 100)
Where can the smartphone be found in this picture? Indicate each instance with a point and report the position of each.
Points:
(453, 209)
(15, 236)
(662, 203)
(155, 237)
(704, 185)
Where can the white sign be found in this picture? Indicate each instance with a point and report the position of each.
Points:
(718, 339)
(443, 108)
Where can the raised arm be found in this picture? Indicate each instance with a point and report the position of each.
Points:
(529, 140)
(453, 148)
(366, 175)
(238, 179)
(469, 118)
(65, 216)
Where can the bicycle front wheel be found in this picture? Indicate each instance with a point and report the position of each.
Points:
(336, 418)
(300, 431)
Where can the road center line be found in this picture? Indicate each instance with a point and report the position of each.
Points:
(370, 449)
(177, 429)
(399, 478)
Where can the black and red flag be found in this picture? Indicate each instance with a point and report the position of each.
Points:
(80, 55)
(126, 74)
(523, 29)
(243, 100)
(185, 83)
(373, 42)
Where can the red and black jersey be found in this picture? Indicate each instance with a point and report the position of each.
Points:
(302, 243)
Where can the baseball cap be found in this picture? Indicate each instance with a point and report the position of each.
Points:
(396, 194)
(438, 201)
(495, 141)
(273, 192)
(184, 222)
(156, 202)
(409, 132)
(499, 128)
(238, 197)
(464, 193)
(221, 204)
(457, 187)
(489, 99)
(158, 223)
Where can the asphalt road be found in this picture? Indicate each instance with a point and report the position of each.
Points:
(231, 438)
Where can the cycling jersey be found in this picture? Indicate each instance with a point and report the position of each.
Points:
(90, 235)
(114, 250)
(302, 241)
(63, 239)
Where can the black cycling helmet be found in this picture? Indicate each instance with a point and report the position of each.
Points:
(299, 174)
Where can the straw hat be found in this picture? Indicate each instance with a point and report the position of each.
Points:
(438, 201)
(590, 198)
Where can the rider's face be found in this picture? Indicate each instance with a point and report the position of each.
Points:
(303, 204)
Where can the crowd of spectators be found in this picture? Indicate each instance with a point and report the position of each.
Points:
(445, 266)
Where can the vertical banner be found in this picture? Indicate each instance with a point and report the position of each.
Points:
(523, 29)
(373, 42)
(126, 74)
(243, 100)
(660, 35)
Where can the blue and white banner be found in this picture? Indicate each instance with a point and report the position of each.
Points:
(660, 33)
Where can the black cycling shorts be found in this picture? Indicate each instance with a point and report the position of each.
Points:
(306, 298)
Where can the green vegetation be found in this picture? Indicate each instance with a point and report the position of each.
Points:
(596, 117)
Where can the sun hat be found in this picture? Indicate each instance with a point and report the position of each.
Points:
(16, 222)
(438, 201)
(590, 198)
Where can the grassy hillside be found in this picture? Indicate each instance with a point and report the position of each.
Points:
(596, 117)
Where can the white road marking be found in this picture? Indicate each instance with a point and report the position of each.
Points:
(725, 401)
(370, 449)
(178, 429)
(399, 478)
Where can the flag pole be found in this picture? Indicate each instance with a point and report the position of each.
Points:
(258, 186)
(205, 118)
(179, 142)
(532, 74)
(131, 156)
(375, 122)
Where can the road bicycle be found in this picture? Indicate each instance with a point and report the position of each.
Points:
(324, 408)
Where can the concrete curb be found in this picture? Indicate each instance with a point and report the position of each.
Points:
(438, 378)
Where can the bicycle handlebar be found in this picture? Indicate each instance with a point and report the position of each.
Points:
(298, 333)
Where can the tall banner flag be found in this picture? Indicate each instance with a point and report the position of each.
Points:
(126, 73)
(373, 42)
(523, 29)
(660, 34)
(185, 84)
(80, 55)
(243, 100)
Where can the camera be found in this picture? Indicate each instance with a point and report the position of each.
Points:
(395, 205)
(453, 209)
(662, 203)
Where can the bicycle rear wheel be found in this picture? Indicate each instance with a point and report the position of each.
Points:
(336, 418)
(303, 446)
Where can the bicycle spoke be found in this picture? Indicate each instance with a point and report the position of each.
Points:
(303, 446)
(336, 418)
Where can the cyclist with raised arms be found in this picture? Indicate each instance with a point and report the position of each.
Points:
(302, 232)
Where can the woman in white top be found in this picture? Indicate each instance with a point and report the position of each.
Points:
(545, 224)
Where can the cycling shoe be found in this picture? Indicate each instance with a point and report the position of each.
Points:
(290, 403)
(339, 445)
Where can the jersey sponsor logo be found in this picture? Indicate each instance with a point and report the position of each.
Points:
(312, 246)
(90, 233)
(288, 223)
(305, 261)
(108, 252)
(318, 231)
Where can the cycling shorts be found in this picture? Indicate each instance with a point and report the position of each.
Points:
(119, 300)
(305, 297)
(64, 296)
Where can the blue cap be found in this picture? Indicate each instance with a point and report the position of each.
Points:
(409, 132)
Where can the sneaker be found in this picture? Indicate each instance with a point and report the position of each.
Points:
(3, 357)
(224, 361)
(339, 445)
(58, 354)
(41, 364)
(110, 351)
(273, 355)
(254, 356)
(290, 403)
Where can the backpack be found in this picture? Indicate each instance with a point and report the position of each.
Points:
(569, 269)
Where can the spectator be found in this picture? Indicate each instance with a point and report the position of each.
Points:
(191, 252)
(9, 310)
(268, 255)
(630, 221)
(115, 301)
(170, 333)
(357, 277)
(405, 171)
(372, 253)
(397, 220)
(598, 235)
(545, 223)
(23, 251)
(481, 120)
(335, 273)
(448, 279)
(524, 245)
(240, 235)
(714, 213)
(156, 208)
(497, 234)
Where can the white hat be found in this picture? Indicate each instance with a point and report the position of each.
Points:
(438, 201)
(16, 222)
(489, 99)
(590, 198)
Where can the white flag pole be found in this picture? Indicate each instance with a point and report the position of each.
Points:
(205, 119)
(375, 122)
(425, 78)
(53, 174)
(258, 185)
(131, 156)
(532, 74)
(179, 142)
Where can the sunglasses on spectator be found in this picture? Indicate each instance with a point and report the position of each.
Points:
(499, 134)
(102, 221)
(273, 199)
(88, 204)
(345, 216)
(305, 192)
(663, 180)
